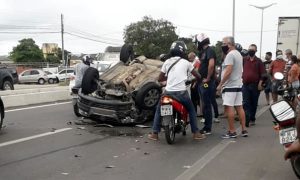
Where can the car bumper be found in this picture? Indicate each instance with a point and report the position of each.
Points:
(103, 109)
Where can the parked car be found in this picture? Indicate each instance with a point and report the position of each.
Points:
(126, 93)
(2, 113)
(63, 75)
(8, 77)
(33, 76)
(52, 78)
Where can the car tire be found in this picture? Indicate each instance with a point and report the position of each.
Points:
(7, 85)
(127, 53)
(51, 81)
(148, 96)
(41, 81)
(2, 112)
(89, 81)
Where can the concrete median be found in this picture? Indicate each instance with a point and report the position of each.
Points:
(26, 97)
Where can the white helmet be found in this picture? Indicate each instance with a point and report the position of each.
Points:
(200, 40)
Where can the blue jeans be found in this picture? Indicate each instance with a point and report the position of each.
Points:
(184, 98)
(250, 100)
(207, 94)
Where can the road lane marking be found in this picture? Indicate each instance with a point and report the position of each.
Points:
(33, 137)
(35, 107)
(210, 155)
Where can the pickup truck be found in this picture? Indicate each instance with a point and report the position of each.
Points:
(8, 77)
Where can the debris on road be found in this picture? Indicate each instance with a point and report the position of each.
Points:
(69, 123)
(146, 142)
(53, 129)
(81, 128)
(104, 125)
(135, 149)
(65, 174)
(146, 153)
(116, 156)
(142, 126)
(78, 134)
(141, 136)
(110, 166)
(137, 141)
(77, 156)
(187, 167)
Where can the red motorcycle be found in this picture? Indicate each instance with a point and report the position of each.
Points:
(285, 120)
(174, 117)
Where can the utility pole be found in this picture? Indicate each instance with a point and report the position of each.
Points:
(62, 39)
(65, 61)
(233, 19)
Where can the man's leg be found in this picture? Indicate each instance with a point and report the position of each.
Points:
(214, 103)
(246, 103)
(255, 98)
(230, 117)
(207, 109)
(156, 120)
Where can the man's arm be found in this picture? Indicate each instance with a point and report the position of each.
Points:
(227, 73)
(211, 66)
(162, 77)
(196, 74)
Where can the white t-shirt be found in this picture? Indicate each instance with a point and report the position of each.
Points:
(178, 74)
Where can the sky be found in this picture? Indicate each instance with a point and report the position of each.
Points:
(105, 20)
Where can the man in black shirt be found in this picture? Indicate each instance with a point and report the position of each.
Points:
(207, 84)
(268, 82)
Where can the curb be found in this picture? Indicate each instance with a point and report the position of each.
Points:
(27, 97)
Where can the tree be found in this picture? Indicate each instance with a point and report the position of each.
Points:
(27, 51)
(191, 47)
(52, 58)
(150, 37)
(218, 50)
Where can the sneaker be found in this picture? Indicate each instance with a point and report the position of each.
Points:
(202, 120)
(216, 120)
(229, 135)
(252, 123)
(205, 132)
(198, 136)
(244, 133)
(153, 136)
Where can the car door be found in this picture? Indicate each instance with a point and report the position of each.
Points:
(70, 72)
(34, 76)
(61, 75)
(24, 78)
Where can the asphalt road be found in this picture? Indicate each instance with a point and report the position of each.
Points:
(44, 143)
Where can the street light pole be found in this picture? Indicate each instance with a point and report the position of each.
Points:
(262, 8)
(233, 19)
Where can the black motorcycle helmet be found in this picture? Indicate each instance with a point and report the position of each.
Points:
(238, 47)
(87, 59)
(178, 48)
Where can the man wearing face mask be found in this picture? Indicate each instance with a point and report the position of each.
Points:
(253, 76)
(207, 84)
(278, 65)
(268, 83)
(231, 87)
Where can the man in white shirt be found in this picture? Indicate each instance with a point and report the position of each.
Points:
(175, 70)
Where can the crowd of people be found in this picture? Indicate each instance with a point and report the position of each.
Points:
(243, 76)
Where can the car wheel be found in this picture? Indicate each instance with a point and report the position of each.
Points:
(7, 85)
(1, 113)
(51, 81)
(126, 54)
(41, 81)
(89, 81)
(148, 96)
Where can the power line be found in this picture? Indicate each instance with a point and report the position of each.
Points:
(27, 32)
(223, 31)
(87, 38)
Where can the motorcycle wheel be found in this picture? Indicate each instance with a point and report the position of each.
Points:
(170, 130)
(295, 161)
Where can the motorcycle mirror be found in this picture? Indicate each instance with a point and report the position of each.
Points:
(282, 111)
(278, 76)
